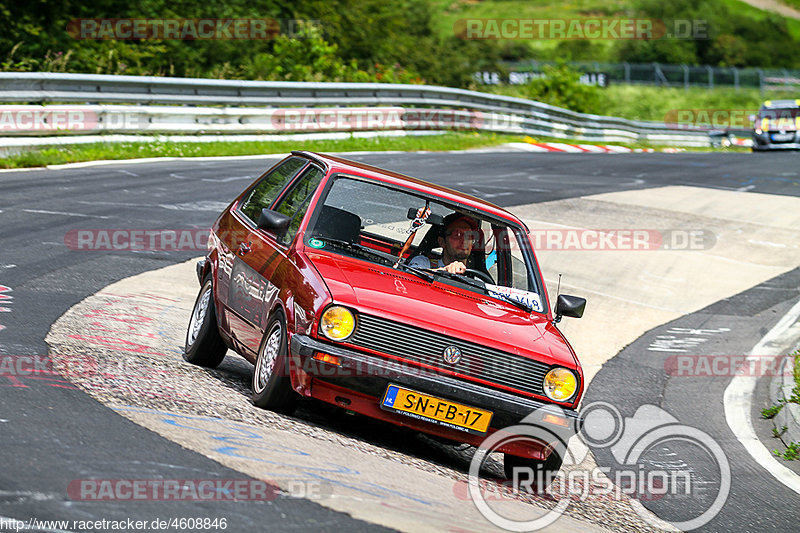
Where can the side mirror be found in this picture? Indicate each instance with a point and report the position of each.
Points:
(571, 306)
(273, 222)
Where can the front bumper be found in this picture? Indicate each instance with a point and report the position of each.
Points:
(365, 377)
(764, 142)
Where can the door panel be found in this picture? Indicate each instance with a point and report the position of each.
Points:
(260, 266)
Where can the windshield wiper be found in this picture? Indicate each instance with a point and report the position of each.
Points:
(419, 272)
(482, 286)
(354, 246)
(385, 258)
(459, 277)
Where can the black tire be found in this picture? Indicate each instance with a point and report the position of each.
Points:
(204, 345)
(272, 387)
(542, 470)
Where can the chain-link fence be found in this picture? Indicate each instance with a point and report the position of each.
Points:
(653, 74)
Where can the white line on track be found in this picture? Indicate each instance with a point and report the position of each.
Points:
(62, 213)
(739, 394)
(232, 178)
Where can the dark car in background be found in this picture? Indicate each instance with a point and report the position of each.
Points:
(776, 126)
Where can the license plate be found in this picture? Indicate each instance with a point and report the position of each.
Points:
(782, 136)
(432, 409)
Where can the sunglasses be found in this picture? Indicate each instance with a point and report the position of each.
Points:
(459, 234)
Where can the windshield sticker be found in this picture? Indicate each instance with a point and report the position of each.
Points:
(316, 243)
(531, 299)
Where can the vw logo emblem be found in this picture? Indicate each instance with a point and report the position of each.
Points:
(452, 355)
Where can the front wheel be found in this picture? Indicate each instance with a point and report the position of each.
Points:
(204, 345)
(272, 388)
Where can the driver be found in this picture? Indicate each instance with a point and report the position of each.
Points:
(460, 235)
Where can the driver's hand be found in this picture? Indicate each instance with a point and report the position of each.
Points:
(456, 267)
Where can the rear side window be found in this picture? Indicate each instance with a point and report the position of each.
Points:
(268, 188)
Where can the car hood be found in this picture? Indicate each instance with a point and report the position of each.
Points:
(441, 308)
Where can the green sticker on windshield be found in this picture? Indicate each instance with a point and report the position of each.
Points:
(316, 243)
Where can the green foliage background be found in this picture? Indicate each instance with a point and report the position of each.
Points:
(364, 40)
(409, 41)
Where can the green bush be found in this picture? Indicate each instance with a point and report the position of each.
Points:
(560, 86)
(725, 37)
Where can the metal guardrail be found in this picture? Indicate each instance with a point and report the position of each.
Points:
(188, 105)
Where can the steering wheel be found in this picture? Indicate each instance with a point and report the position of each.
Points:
(478, 274)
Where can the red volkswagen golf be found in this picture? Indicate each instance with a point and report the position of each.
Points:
(390, 297)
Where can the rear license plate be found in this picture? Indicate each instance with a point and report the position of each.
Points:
(432, 409)
(782, 136)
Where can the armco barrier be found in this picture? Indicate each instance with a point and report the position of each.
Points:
(140, 104)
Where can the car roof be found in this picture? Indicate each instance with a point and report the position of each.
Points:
(339, 164)
(780, 104)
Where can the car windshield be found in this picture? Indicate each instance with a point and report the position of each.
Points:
(391, 226)
(780, 114)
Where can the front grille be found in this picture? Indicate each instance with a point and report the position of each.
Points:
(788, 137)
(423, 346)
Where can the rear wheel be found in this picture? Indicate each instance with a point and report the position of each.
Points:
(204, 345)
(272, 388)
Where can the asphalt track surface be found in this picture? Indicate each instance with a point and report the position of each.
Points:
(51, 433)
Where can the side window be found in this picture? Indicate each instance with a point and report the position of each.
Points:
(268, 188)
(520, 275)
(295, 203)
(511, 269)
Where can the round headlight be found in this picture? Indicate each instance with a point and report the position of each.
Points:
(337, 323)
(560, 384)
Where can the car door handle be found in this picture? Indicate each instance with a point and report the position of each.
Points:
(245, 248)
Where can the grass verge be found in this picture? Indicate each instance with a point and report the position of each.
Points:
(792, 451)
(135, 150)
